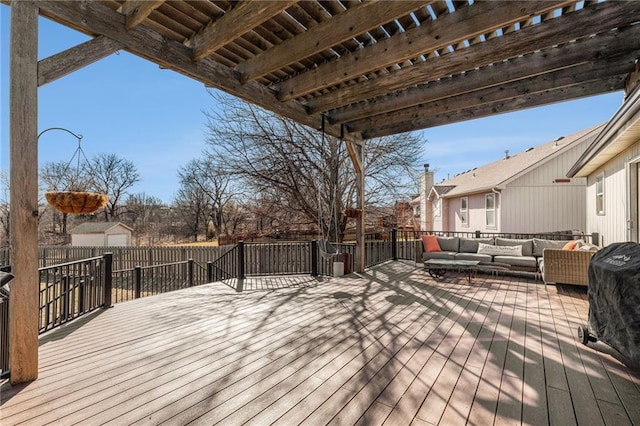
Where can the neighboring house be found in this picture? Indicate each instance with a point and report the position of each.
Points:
(611, 165)
(523, 193)
(101, 234)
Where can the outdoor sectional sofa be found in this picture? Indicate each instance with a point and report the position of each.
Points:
(507, 254)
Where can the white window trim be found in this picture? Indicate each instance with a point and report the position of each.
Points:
(487, 210)
(603, 211)
(464, 224)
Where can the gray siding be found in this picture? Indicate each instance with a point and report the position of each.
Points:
(534, 203)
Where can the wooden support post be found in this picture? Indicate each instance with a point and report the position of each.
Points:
(356, 153)
(23, 140)
(633, 81)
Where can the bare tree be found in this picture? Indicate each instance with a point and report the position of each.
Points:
(113, 176)
(142, 213)
(209, 176)
(307, 173)
(193, 206)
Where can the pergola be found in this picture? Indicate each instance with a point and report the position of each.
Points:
(370, 68)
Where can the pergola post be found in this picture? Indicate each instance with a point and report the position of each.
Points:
(23, 120)
(356, 153)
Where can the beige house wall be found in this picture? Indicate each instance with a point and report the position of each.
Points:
(620, 220)
(534, 202)
(476, 215)
(538, 202)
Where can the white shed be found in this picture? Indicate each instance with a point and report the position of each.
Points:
(101, 234)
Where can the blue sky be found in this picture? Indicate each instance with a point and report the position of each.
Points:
(128, 106)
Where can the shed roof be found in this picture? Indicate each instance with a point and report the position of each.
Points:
(500, 172)
(97, 227)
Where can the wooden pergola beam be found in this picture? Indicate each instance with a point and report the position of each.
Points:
(552, 59)
(580, 24)
(611, 84)
(440, 33)
(241, 19)
(95, 18)
(633, 81)
(23, 209)
(70, 60)
(137, 11)
(343, 26)
(564, 78)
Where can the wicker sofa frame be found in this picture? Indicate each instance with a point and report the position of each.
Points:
(566, 266)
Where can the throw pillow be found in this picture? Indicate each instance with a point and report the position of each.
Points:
(430, 243)
(499, 250)
(571, 245)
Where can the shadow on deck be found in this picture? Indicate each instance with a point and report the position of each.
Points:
(389, 346)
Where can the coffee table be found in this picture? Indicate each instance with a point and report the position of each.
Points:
(437, 268)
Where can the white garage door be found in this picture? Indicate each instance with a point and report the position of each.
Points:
(117, 240)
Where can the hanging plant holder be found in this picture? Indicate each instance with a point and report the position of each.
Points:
(353, 213)
(76, 202)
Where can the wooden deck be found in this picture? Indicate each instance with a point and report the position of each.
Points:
(391, 346)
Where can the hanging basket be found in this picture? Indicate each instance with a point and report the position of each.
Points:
(76, 202)
(353, 213)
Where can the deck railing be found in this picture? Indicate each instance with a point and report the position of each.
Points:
(141, 281)
(565, 235)
(277, 258)
(226, 266)
(70, 290)
(4, 335)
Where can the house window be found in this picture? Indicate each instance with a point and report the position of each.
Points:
(437, 205)
(464, 211)
(600, 194)
(490, 209)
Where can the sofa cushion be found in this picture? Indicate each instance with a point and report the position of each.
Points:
(524, 261)
(570, 245)
(473, 256)
(499, 250)
(449, 243)
(527, 245)
(540, 244)
(430, 243)
(470, 245)
(587, 247)
(449, 255)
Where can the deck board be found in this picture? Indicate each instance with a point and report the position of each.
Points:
(391, 346)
